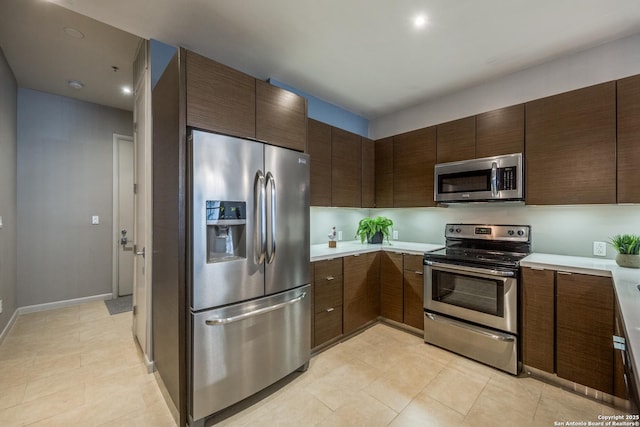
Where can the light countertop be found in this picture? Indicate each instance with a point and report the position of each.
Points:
(625, 281)
(345, 248)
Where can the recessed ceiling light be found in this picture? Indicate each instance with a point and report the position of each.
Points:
(419, 21)
(72, 32)
(76, 84)
(126, 90)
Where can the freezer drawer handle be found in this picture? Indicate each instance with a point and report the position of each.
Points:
(493, 335)
(225, 321)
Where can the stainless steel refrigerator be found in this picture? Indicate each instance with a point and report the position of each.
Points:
(249, 279)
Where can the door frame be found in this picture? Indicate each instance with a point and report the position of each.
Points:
(116, 228)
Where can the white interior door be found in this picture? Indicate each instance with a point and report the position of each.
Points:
(124, 212)
(143, 213)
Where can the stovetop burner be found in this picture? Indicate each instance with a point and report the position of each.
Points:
(490, 245)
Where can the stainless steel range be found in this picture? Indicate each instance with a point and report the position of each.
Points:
(471, 292)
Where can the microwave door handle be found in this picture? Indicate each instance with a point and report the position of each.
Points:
(494, 179)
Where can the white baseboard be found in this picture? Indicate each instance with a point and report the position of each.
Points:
(7, 328)
(62, 304)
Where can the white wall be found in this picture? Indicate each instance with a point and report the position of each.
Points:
(8, 195)
(607, 62)
(64, 177)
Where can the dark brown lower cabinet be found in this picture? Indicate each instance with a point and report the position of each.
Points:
(413, 291)
(391, 298)
(538, 322)
(619, 381)
(361, 290)
(327, 300)
(584, 330)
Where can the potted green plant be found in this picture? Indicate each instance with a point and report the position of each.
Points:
(628, 247)
(374, 229)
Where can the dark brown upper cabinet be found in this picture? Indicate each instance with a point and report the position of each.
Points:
(319, 149)
(219, 98)
(384, 172)
(457, 140)
(628, 139)
(346, 169)
(368, 173)
(281, 117)
(414, 157)
(500, 131)
(571, 147)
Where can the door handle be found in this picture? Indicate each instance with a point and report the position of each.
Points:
(139, 252)
(271, 243)
(259, 212)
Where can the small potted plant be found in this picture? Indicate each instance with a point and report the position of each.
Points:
(628, 247)
(374, 229)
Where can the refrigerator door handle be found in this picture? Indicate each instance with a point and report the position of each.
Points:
(260, 220)
(271, 237)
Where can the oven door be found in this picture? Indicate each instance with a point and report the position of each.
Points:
(479, 295)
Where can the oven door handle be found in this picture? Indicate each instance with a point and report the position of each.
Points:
(455, 267)
(493, 335)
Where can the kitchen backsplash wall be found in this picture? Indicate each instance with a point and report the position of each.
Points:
(564, 230)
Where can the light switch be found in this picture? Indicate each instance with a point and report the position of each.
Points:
(95, 220)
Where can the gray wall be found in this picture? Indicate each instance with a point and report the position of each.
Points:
(65, 161)
(8, 233)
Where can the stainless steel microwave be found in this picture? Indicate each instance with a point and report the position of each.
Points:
(487, 179)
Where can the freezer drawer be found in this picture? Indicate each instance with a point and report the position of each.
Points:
(240, 349)
(497, 349)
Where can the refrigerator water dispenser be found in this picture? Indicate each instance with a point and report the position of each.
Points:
(226, 223)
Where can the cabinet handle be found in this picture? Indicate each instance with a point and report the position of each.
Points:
(565, 273)
(419, 272)
(356, 254)
(330, 278)
(329, 310)
(537, 268)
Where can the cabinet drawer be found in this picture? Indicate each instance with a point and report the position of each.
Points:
(327, 268)
(328, 325)
(413, 263)
(328, 293)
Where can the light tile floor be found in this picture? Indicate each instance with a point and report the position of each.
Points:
(78, 366)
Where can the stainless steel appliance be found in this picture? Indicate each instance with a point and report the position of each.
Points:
(471, 292)
(499, 178)
(249, 280)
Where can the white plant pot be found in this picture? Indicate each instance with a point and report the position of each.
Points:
(629, 261)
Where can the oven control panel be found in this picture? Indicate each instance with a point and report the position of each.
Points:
(520, 233)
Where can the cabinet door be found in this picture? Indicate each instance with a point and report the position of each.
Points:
(281, 117)
(361, 290)
(368, 174)
(346, 169)
(384, 172)
(413, 291)
(619, 380)
(457, 140)
(313, 306)
(584, 330)
(414, 158)
(328, 325)
(628, 139)
(391, 299)
(500, 131)
(319, 149)
(571, 147)
(538, 321)
(219, 98)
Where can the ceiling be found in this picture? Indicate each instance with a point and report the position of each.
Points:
(363, 55)
(43, 57)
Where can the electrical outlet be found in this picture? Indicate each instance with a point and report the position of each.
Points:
(0, 306)
(0, 221)
(340, 235)
(600, 248)
(395, 234)
(95, 220)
